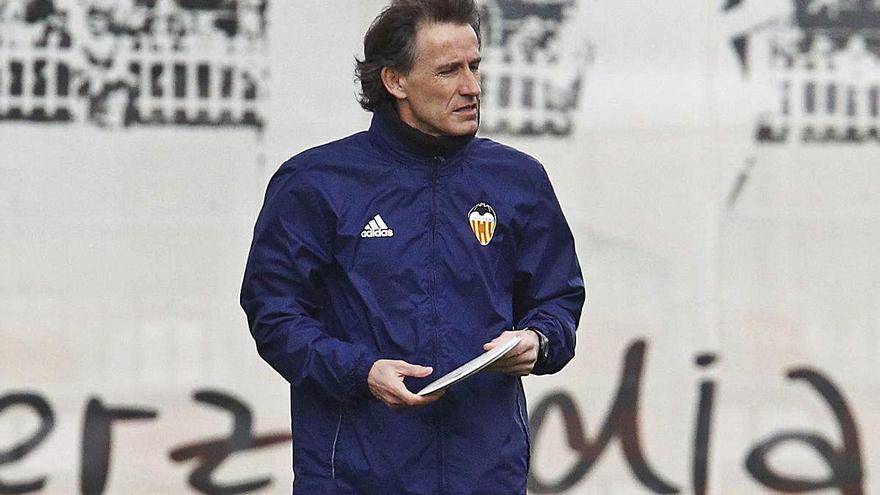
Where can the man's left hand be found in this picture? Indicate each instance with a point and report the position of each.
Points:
(521, 359)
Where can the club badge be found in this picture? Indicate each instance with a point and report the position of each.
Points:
(482, 219)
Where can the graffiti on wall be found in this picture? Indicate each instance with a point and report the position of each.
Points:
(535, 57)
(622, 424)
(820, 66)
(96, 449)
(119, 64)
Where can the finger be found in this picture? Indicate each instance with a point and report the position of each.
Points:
(515, 365)
(390, 398)
(528, 357)
(498, 366)
(413, 400)
(514, 360)
(401, 396)
(414, 370)
(520, 349)
(393, 398)
(521, 370)
(494, 366)
(525, 361)
(430, 398)
(506, 335)
(529, 340)
(437, 394)
(528, 352)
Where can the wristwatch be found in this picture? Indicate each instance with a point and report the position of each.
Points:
(543, 347)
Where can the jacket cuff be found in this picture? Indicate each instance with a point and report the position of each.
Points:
(358, 377)
(559, 352)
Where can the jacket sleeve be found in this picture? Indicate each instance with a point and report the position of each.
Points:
(282, 293)
(548, 286)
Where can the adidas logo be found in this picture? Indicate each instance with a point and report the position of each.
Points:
(377, 228)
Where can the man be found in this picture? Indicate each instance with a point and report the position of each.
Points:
(399, 253)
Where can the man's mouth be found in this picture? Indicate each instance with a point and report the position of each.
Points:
(467, 109)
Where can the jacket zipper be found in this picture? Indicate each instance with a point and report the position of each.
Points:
(519, 411)
(437, 161)
(333, 450)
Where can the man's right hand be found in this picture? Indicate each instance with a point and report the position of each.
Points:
(386, 383)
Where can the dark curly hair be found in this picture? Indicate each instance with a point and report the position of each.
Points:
(390, 41)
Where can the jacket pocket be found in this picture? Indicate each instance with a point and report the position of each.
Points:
(333, 447)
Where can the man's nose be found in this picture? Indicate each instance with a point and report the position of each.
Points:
(470, 85)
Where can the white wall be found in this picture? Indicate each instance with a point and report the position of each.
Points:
(122, 250)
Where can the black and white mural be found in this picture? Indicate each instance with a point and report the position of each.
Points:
(730, 339)
(133, 62)
(535, 56)
(818, 63)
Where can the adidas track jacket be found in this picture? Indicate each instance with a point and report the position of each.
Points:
(364, 250)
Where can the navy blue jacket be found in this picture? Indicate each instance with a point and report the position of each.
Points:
(365, 250)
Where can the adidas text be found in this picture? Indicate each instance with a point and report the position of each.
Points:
(378, 233)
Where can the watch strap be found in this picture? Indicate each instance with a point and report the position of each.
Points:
(543, 347)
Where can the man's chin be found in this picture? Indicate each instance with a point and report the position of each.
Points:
(466, 128)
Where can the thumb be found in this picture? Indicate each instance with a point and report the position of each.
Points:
(415, 370)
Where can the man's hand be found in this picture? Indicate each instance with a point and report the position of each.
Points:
(521, 359)
(386, 383)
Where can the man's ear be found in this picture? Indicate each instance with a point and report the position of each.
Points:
(394, 82)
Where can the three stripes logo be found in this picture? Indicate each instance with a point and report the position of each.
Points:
(377, 228)
(483, 220)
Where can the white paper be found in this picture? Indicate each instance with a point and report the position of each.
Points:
(470, 367)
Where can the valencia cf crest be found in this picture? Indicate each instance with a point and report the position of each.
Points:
(483, 220)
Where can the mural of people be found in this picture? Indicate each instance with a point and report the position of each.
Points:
(533, 66)
(820, 68)
(134, 62)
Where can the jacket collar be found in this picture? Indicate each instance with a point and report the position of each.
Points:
(393, 135)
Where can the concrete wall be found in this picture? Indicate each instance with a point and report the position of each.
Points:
(719, 248)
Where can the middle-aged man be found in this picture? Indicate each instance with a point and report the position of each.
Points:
(402, 252)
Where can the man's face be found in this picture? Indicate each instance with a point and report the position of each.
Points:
(441, 94)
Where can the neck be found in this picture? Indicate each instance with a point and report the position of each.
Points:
(420, 142)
